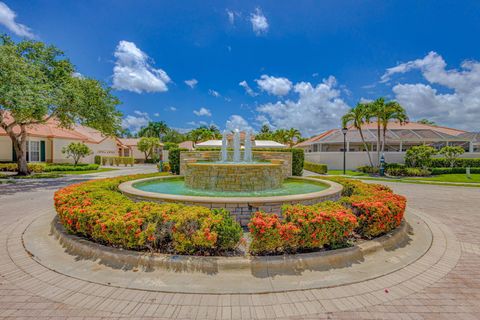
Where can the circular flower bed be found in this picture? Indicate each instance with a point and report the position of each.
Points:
(98, 211)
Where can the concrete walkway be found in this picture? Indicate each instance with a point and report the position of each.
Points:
(444, 284)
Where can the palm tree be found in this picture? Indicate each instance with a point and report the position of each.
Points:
(291, 135)
(280, 135)
(357, 117)
(392, 111)
(375, 109)
(154, 129)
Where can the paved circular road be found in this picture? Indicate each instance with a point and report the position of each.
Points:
(444, 284)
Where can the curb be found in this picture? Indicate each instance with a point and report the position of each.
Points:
(121, 258)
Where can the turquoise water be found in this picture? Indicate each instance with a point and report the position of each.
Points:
(176, 186)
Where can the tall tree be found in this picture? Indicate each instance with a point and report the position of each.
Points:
(154, 130)
(358, 116)
(391, 111)
(37, 83)
(375, 110)
(292, 135)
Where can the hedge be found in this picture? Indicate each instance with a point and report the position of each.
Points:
(116, 160)
(32, 167)
(365, 210)
(454, 170)
(70, 167)
(298, 157)
(397, 171)
(174, 159)
(315, 167)
(459, 163)
(97, 210)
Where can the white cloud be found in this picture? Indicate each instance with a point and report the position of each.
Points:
(231, 16)
(156, 114)
(318, 108)
(458, 106)
(273, 85)
(173, 109)
(214, 93)
(202, 112)
(134, 72)
(7, 18)
(192, 83)
(134, 123)
(247, 88)
(259, 22)
(237, 122)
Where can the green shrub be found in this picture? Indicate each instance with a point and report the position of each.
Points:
(454, 170)
(32, 167)
(298, 158)
(407, 172)
(174, 159)
(98, 211)
(98, 160)
(459, 163)
(116, 161)
(419, 156)
(70, 167)
(315, 167)
(368, 169)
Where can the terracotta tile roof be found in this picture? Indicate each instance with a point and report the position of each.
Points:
(52, 129)
(186, 145)
(413, 129)
(129, 141)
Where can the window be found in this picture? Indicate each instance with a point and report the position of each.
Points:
(33, 151)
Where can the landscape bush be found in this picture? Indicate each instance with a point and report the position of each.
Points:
(116, 161)
(32, 167)
(174, 159)
(407, 172)
(98, 211)
(315, 167)
(70, 167)
(419, 156)
(454, 170)
(459, 163)
(368, 169)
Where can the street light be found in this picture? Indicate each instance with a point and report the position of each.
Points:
(344, 131)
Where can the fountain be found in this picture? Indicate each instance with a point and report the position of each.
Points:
(236, 146)
(260, 181)
(224, 153)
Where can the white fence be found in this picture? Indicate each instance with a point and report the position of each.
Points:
(334, 160)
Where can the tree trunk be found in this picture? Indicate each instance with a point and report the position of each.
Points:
(378, 142)
(19, 143)
(384, 137)
(366, 147)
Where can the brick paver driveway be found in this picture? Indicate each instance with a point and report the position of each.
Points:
(449, 290)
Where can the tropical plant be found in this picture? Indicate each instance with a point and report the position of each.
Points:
(153, 130)
(76, 151)
(419, 156)
(426, 121)
(292, 136)
(149, 147)
(358, 116)
(451, 154)
(37, 83)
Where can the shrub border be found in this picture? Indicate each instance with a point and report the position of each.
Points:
(111, 256)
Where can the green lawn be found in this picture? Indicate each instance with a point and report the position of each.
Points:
(462, 178)
(54, 174)
(347, 172)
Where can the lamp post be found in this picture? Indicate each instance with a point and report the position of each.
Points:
(344, 131)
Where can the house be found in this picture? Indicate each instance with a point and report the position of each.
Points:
(128, 148)
(45, 143)
(327, 147)
(189, 145)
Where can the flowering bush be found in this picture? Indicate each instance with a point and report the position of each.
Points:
(366, 210)
(97, 210)
(376, 207)
(303, 228)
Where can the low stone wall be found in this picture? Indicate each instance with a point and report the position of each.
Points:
(237, 177)
(286, 157)
(240, 207)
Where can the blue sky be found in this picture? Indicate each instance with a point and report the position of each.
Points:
(286, 63)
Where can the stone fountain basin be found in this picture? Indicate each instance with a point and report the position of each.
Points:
(240, 207)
